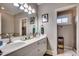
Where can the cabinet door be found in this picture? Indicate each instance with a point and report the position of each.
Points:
(42, 47)
(29, 50)
(21, 52)
(35, 49)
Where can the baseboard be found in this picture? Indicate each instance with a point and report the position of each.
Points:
(49, 52)
(67, 47)
(77, 51)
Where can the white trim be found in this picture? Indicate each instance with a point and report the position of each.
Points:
(67, 47)
(77, 52)
(49, 52)
(20, 31)
(65, 8)
(77, 30)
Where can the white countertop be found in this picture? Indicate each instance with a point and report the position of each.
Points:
(9, 48)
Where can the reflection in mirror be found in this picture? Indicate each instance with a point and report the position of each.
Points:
(15, 21)
(23, 27)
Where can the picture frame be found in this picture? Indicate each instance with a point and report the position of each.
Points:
(32, 20)
(45, 18)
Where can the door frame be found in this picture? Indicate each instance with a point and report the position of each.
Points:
(66, 8)
(20, 27)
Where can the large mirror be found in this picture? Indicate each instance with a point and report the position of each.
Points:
(18, 19)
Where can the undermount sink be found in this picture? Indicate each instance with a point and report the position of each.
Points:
(16, 44)
(11, 46)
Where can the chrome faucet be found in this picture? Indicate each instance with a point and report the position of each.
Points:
(9, 36)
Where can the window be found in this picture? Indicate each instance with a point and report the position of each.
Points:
(65, 20)
(59, 20)
(62, 19)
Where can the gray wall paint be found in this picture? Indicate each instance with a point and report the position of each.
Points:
(7, 22)
(50, 26)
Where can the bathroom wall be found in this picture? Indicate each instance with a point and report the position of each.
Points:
(77, 29)
(7, 21)
(51, 26)
(21, 15)
(77, 21)
(68, 31)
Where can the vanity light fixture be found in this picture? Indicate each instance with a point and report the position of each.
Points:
(29, 12)
(33, 10)
(25, 10)
(29, 8)
(25, 7)
(21, 7)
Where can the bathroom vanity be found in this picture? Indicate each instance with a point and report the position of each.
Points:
(32, 47)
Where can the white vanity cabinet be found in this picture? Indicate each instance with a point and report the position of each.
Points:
(37, 48)
(42, 47)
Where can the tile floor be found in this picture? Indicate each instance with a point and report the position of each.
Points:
(68, 52)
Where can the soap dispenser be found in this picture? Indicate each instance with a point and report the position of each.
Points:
(34, 30)
(42, 29)
(1, 43)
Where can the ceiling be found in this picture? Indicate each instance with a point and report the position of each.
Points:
(14, 10)
(10, 8)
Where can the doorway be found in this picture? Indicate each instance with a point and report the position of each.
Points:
(66, 30)
(23, 26)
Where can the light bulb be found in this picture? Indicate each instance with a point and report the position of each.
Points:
(26, 5)
(21, 7)
(16, 4)
(2, 8)
(33, 10)
(30, 8)
(25, 10)
(29, 12)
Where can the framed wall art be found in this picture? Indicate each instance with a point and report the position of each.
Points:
(45, 18)
(32, 20)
